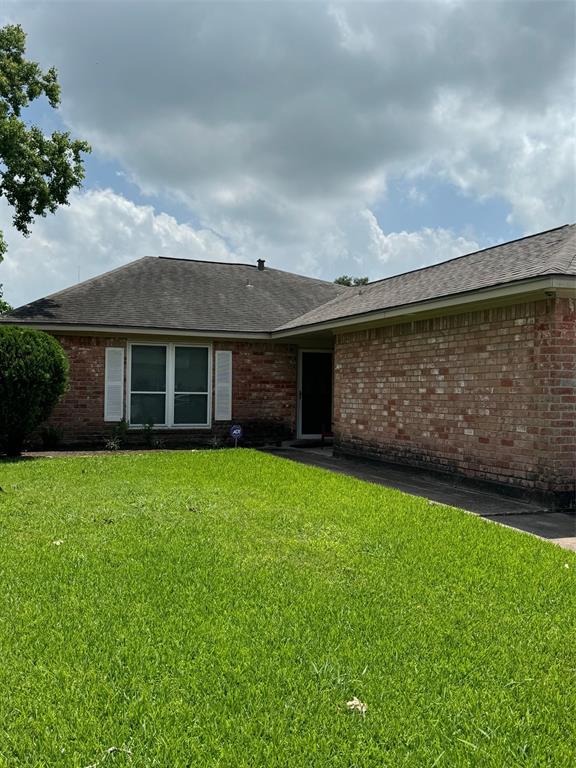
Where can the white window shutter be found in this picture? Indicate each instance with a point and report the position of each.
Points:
(223, 386)
(114, 384)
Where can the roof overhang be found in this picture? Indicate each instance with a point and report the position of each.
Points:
(119, 330)
(523, 289)
(561, 285)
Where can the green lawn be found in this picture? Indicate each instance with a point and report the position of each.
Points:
(220, 608)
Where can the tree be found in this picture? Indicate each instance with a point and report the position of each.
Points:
(33, 376)
(37, 172)
(347, 280)
(4, 306)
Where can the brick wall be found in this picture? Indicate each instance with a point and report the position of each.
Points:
(264, 376)
(263, 392)
(555, 377)
(487, 394)
(80, 413)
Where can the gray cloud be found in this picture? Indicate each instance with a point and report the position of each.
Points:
(278, 124)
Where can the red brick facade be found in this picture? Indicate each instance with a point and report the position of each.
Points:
(487, 394)
(263, 392)
(80, 413)
(263, 382)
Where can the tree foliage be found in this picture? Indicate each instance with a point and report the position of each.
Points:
(348, 280)
(37, 172)
(4, 306)
(33, 376)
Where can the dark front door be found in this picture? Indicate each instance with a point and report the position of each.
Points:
(315, 393)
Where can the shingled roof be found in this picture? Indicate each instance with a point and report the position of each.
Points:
(185, 295)
(548, 253)
(181, 294)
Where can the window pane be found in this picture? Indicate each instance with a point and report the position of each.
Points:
(191, 374)
(148, 408)
(148, 369)
(190, 409)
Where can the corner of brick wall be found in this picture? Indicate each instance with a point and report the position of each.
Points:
(487, 394)
(555, 376)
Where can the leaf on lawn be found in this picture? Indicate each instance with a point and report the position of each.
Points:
(107, 753)
(355, 705)
(566, 565)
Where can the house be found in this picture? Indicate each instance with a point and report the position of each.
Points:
(466, 367)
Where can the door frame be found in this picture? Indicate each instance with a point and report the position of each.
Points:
(299, 434)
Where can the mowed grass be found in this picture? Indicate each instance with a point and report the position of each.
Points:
(220, 608)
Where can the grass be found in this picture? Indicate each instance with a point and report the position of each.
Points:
(220, 608)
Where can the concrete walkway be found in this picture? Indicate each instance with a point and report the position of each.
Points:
(558, 527)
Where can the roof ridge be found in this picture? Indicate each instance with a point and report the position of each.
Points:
(466, 255)
(205, 261)
(253, 266)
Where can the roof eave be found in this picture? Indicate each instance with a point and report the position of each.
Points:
(127, 330)
(539, 284)
(531, 286)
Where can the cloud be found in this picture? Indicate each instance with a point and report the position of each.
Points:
(528, 158)
(98, 231)
(410, 250)
(278, 124)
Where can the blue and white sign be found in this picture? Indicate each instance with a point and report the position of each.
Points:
(236, 432)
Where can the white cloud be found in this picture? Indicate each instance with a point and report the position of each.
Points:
(411, 250)
(527, 158)
(98, 231)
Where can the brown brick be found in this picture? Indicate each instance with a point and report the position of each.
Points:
(263, 388)
(509, 400)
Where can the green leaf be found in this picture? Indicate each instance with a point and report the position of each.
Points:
(38, 171)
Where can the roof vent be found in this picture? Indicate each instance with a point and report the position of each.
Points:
(261, 263)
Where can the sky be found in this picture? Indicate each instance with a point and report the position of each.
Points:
(362, 138)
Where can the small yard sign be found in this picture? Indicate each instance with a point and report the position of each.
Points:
(236, 433)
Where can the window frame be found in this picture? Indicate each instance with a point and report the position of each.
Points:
(170, 385)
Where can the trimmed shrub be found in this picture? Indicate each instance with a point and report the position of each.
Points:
(33, 377)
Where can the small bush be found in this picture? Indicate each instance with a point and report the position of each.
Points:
(113, 444)
(120, 431)
(116, 440)
(33, 377)
(148, 434)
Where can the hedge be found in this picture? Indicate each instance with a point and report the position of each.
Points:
(33, 377)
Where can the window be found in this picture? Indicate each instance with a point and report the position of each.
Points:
(148, 385)
(190, 385)
(169, 385)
